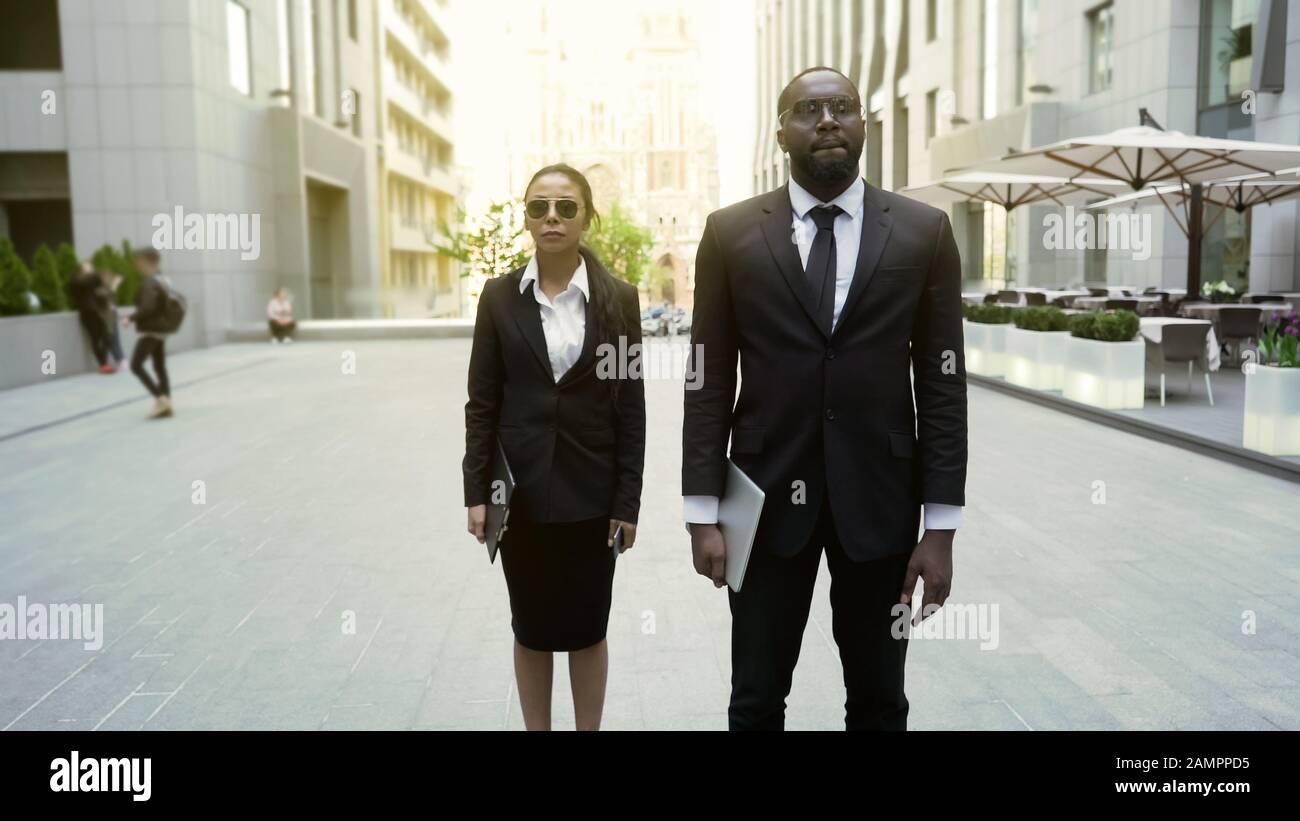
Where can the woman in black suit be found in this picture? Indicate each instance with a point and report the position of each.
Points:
(544, 380)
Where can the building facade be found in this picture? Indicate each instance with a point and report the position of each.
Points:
(636, 125)
(121, 116)
(419, 190)
(954, 83)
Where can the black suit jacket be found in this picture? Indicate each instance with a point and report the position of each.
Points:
(574, 452)
(818, 415)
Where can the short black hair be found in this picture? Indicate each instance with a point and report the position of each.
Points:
(781, 99)
(148, 254)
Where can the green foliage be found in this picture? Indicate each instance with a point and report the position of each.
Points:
(1279, 344)
(15, 281)
(46, 284)
(622, 245)
(69, 266)
(489, 244)
(109, 258)
(1041, 318)
(991, 314)
(1105, 326)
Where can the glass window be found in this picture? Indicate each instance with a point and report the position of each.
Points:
(1227, 28)
(1101, 23)
(1025, 54)
(931, 114)
(237, 51)
(931, 20)
(284, 44)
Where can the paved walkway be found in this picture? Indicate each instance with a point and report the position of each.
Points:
(327, 580)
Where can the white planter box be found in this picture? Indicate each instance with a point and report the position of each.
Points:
(1106, 375)
(1036, 359)
(1272, 415)
(986, 347)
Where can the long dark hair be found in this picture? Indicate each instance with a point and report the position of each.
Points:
(604, 298)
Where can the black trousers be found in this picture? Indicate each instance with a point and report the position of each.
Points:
(151, 347)
(281, 331)
(100, 341)
(768, 618)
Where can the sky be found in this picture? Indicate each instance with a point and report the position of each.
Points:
(725, 29)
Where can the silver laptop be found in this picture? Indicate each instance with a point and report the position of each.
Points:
(739, 510)
(499, 496)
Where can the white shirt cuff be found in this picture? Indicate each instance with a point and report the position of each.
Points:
(700, 510)
(942, 517)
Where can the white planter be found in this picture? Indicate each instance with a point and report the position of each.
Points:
(1272, 415)
(1106, 375)
(1036, 359)
(986, 347)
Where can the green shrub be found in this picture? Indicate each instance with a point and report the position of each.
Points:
(69, 266)
(1105, 326)
(46, 283)
(15, 281)
(992, 314)
(119, 262)
(1041, 318)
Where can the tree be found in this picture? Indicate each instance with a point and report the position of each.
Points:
(490, 244)
(622, 245)
(15, 281)
(69, 267)
(46, 283)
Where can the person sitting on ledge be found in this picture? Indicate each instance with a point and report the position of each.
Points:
(279, 313)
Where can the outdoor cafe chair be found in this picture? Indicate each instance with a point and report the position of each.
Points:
(1180, 342)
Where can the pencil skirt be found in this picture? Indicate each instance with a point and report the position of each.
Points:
(560, 576)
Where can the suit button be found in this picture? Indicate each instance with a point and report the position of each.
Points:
(830, 415)
(830, 353)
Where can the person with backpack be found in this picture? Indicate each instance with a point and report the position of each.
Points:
(159, 310)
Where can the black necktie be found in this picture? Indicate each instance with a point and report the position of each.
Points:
(821, 264)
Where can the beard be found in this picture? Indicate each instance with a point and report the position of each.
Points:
(830, 169)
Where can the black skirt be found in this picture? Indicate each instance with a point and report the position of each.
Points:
(559, 576)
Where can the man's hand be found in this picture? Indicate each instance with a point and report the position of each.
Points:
(932, 561)
(709, 553)
(478, 522)
(629, 534)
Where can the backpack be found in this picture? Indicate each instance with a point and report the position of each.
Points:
(173, 309)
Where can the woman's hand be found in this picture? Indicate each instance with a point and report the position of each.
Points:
(478, 522)
(629, 533)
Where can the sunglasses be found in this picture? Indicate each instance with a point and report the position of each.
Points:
(539, 208)
(808, 112)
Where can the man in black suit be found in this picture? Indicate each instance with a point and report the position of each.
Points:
(842, 303)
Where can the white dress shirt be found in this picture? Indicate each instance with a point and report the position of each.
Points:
(564, 322)
(848, 236)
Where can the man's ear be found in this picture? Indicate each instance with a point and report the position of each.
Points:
(780, 140)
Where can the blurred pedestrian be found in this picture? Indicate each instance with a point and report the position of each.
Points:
(279, 317)
(88, 298)
(159, 310)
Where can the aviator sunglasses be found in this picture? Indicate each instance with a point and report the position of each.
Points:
(538, 208)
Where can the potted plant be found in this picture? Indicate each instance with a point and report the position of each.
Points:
(1219, 292)
(1271, 419)
(1105, 362)
(1035, 352)
(986, 338)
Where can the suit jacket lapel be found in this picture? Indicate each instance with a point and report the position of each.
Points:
(529, 319)
(876, 225)
(778, 231)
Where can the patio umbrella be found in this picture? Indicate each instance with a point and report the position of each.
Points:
(1147, 155)
(1009, 190)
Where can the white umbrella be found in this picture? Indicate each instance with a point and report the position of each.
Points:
(1009, 190)
(1238, 195)
(1146, 156)
(1143, 155)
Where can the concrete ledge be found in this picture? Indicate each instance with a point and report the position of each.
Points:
(337, 330)
(1262, 463)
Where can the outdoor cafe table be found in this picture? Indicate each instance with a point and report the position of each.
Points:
(1151, 327)
(1145, 304)
(1211, 310)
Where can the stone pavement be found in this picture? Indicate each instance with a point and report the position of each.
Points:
(327, 581)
